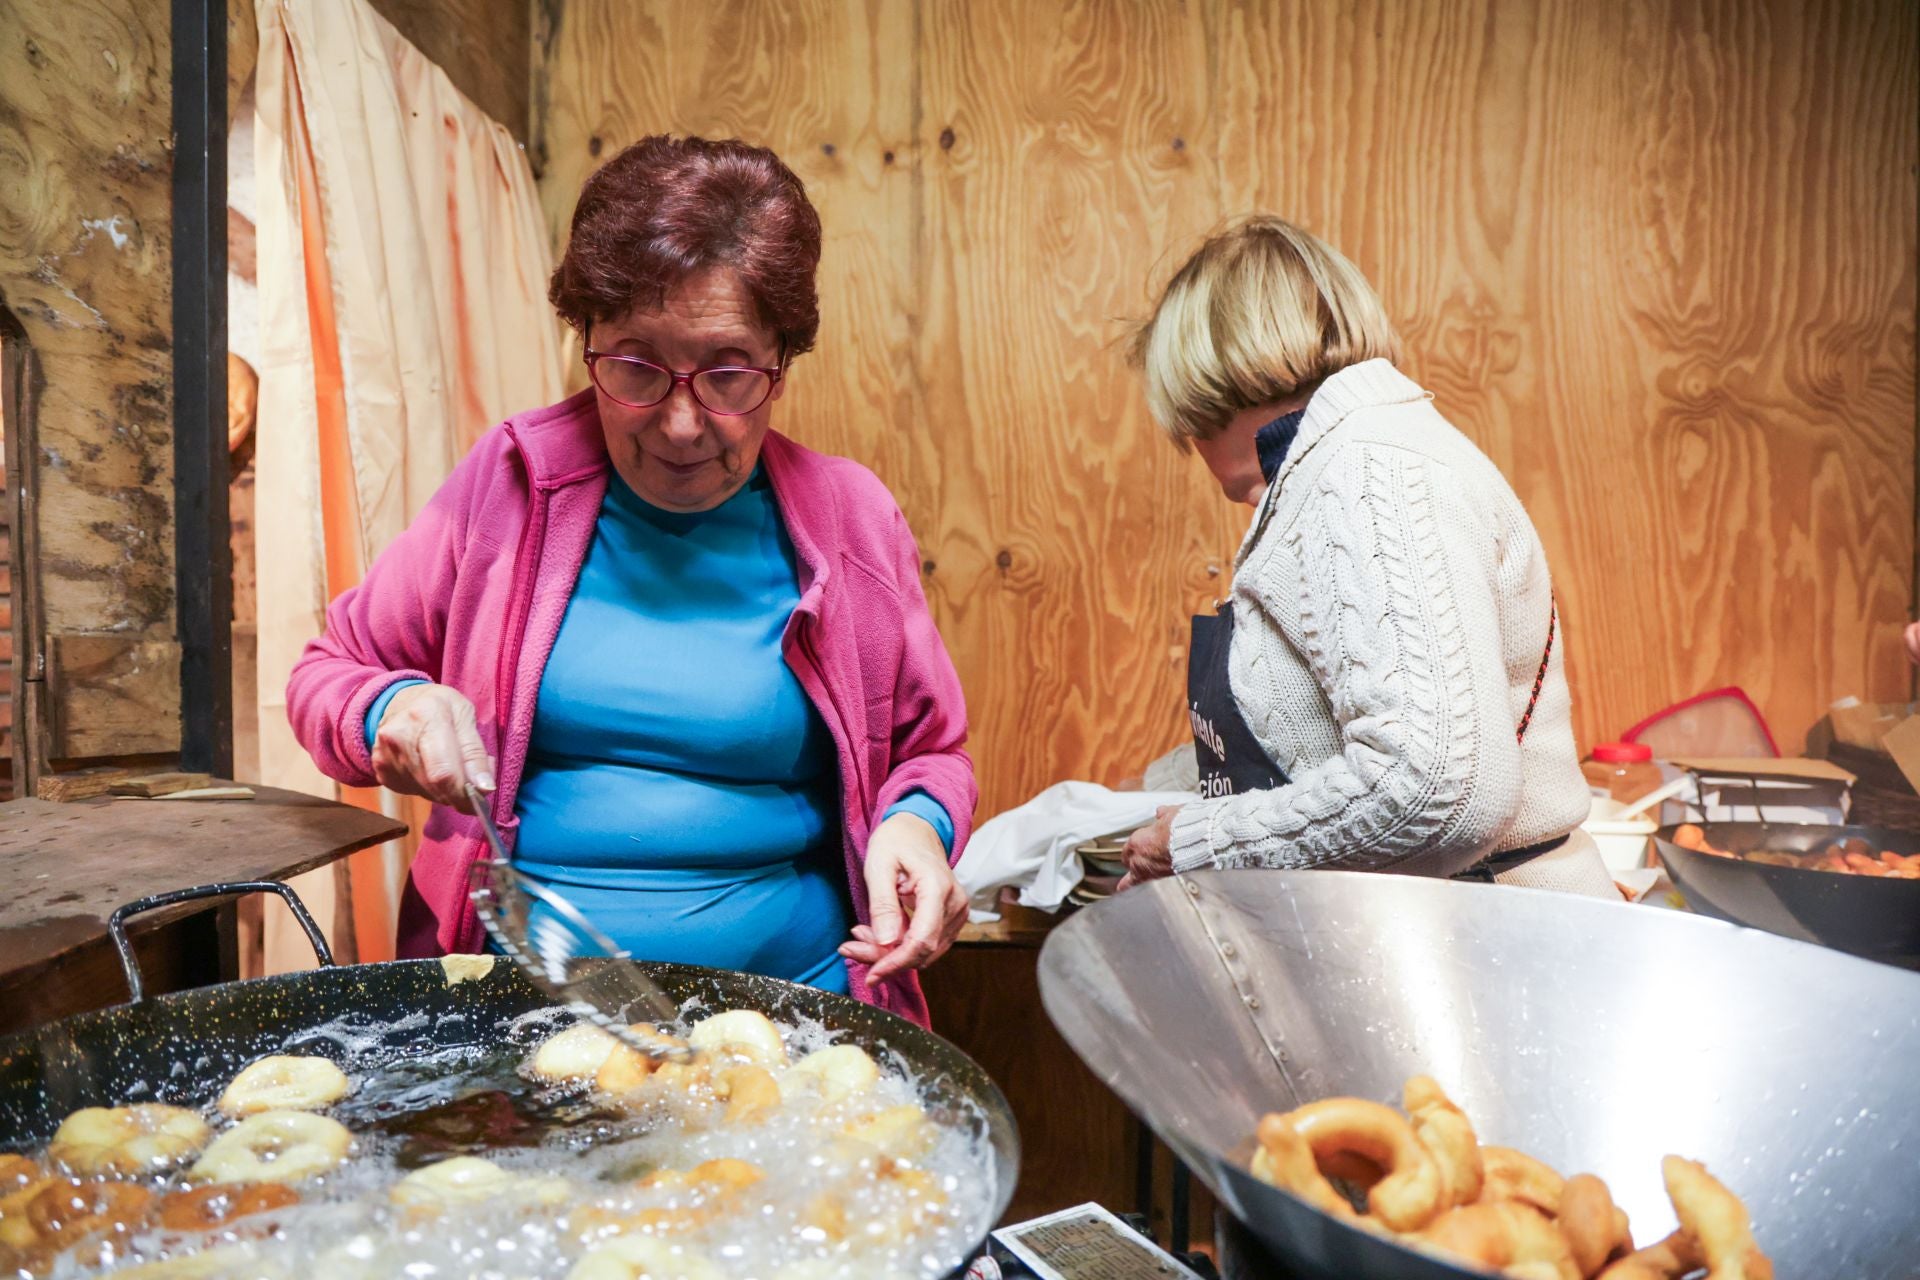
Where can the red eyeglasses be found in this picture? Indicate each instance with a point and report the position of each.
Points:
(726, 389)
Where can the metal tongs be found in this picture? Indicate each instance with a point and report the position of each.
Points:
(561, 950)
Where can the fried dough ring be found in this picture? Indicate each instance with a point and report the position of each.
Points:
(275, 1146)
(72, 1209)
(1448, 1136)
(283, 1082)
(573, 1054)
(1283, 1159)
(1714, 1216)
(626, 1069)
(143, 1138)
(641, 1258)
(837, 1072)
(1504, 1236)
(748, 1091)
(466, 1180)
(711, 1188)
(1676, 1256)
(20, 1181)
(1594, 1227)
(1408, 1197)
(227, 1262)
(900, 1132)
(742, 1034)
(1515, 1175)
(218, 1203)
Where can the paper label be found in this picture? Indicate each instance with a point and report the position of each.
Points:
(1089, 1243)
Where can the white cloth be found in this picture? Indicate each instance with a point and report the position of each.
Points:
(1391, 607)
(1031, 846)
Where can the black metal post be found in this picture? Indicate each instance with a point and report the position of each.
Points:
(203, 569)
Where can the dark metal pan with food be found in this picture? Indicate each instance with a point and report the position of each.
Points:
(1845, 887)
(470, 1111)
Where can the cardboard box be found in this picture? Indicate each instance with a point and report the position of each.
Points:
(1788, 789)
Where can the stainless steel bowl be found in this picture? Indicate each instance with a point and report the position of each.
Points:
(1597, 1036)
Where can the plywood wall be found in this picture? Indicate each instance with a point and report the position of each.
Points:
(85, 163)
(1657, 259)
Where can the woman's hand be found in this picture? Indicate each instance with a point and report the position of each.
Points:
(1148, 854)
(428, 744)
(1913, 642)
(907, 876)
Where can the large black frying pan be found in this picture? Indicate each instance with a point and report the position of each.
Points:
(182, 1048)
(1877, 917)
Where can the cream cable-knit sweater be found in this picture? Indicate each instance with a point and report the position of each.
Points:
(1390, 609)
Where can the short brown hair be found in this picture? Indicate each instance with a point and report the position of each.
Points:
(1259, 311)
(666, 209)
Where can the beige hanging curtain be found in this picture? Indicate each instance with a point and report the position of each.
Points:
(402, 276)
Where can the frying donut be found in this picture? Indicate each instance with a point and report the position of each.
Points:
(835, 1073)
(1502, 1236)
(626, 1069)
(215, 1205)
(1408, 1197)
(20, 1181)
(275, 1146)
(1678, 1255)
(741, 1034)
(144, 1138)
(1595, 1229)
(748, 1091)
(702, 1194)
(710, 1175)
(228, 1262)
(1714, 1216)
(641, 1258)
(573, 1054)
(72, 1209)
(1448, 1136)
(901, 1132)
(284, 1082)
(466, 1180)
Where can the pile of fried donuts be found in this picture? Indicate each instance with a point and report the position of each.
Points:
(1429, 1183)
(110, 1174)
(1850, 857)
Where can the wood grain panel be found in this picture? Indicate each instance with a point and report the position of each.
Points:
(1658, 260)
(85, 266)
(1062, 145)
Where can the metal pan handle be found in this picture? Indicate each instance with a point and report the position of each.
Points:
(117, 924)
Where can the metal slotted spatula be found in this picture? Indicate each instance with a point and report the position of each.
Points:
(561, 950)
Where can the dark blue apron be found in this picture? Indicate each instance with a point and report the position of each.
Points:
(1231, 759)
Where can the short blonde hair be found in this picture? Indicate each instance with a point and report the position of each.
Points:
(1259, 311)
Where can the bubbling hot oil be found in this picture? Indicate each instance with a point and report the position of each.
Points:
(825, 1209)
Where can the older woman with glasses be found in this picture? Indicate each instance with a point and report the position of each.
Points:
(687, 660)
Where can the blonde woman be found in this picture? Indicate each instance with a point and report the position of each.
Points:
(1385, 690)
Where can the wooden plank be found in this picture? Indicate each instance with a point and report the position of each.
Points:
(483, 45)
(68, 866)
(152, 785)
(1061, 146)
(1684, 331)
(84, 92)
(113, 694)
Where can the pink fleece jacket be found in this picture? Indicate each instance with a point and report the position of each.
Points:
(473, 593)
